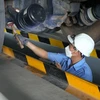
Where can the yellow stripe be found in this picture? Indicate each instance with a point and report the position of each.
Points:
(8, 51)
(36, 64)
(83, 86)
(18, 32)
(5, 30)
(57, 43)
(94, 54)
(33, 37)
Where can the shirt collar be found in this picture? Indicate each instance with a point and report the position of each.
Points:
(79, 64)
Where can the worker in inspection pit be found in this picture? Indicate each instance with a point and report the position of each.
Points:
(73, 61)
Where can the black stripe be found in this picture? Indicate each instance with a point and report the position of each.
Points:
(9, 31)
(99, 89)
(56, 81)
(98, 53)
(45, 40)
(65, 44)
(53, 70)
(20, 56)
(24, 34)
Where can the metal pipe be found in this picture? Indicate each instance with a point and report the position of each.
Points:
(94, 31)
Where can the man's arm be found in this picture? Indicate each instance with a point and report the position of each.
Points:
(41, 52)
(38, 51)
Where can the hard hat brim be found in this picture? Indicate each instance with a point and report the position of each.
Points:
(70, 39)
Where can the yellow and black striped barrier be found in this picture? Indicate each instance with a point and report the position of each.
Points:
(50, 41)
(76, 86)
(70, 83)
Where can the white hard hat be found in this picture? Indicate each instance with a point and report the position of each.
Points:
(83, 42)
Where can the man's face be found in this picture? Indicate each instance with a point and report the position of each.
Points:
(73, 50)
(72, 47)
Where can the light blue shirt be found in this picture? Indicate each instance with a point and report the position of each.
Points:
(80, 69)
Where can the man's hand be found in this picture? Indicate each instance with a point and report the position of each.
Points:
(58, 65)
(14, 28)
(22, 39)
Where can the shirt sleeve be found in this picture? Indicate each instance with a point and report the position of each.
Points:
(57, 57)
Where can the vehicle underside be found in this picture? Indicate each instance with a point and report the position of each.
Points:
(61, 17)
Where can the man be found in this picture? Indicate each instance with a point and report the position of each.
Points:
(74, 59)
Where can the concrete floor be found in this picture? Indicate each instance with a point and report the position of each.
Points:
(17, 83)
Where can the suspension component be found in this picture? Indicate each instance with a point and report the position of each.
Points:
(88, 16)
